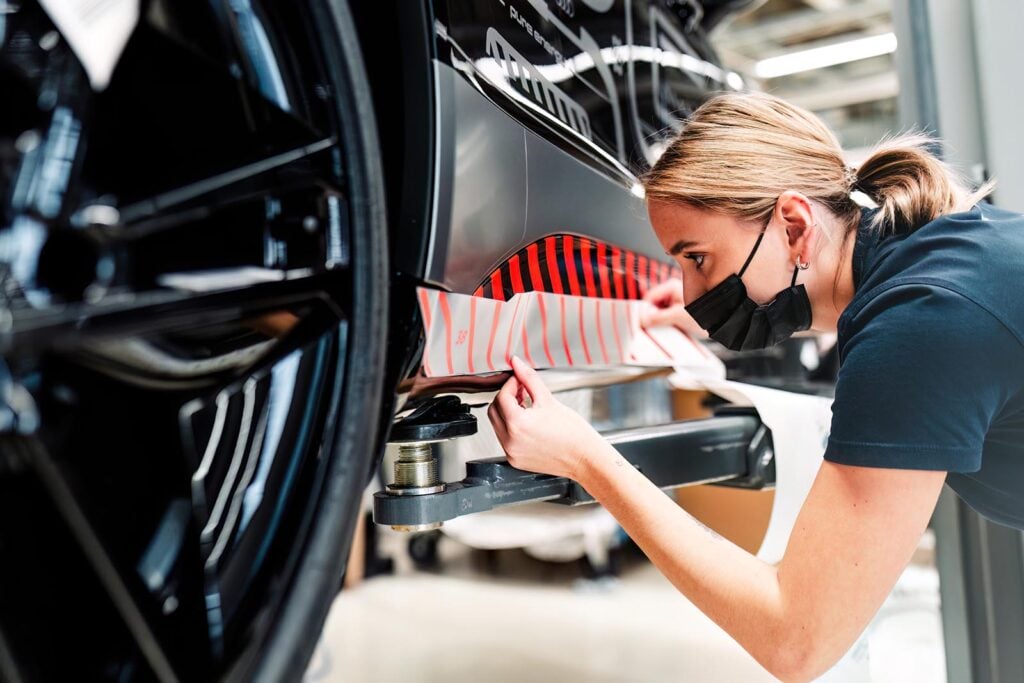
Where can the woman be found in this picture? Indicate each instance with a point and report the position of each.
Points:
(753, 199)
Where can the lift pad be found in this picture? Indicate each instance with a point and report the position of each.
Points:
(733, 448)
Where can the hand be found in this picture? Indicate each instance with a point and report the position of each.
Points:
(538, 433)
(668, 309)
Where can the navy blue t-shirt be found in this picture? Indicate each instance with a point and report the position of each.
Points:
(931, 355)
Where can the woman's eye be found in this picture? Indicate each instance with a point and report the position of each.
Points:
(697, 259)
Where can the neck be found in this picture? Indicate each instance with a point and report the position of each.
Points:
(831, 290)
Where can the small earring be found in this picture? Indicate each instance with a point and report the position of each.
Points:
(800, 265)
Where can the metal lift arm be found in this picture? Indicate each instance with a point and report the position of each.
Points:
(732, 448)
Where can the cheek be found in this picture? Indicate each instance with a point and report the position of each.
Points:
(763, 289)
(763, 283)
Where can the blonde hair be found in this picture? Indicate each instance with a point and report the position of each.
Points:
(739, 151)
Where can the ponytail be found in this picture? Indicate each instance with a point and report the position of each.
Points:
(911, 186)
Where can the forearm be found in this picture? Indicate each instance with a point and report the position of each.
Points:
(735, 589)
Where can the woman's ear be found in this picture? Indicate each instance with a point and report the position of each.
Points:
(793, 210)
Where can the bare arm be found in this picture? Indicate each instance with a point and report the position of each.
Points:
(853, 537)
(856, 532)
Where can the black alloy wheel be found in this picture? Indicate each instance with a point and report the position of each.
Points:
(192, 325)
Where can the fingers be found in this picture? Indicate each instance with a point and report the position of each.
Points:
(653, 317)
(684, 321)
(658, 292)
(531, 381)
(523, 397)
(508, 397)
(498, 422)
(666, 294)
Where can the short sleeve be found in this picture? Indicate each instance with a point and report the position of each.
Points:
(924, 372)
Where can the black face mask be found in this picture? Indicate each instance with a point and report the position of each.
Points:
(737, 322)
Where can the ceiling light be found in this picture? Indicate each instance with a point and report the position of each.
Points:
(828, 55)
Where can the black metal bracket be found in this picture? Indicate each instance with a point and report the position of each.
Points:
(760, 455)
(439, 418)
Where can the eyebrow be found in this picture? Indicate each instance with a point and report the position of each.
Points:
(680, 246)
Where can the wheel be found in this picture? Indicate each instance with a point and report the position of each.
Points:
(192, 325)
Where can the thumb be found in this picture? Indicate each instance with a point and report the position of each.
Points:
(530, 379)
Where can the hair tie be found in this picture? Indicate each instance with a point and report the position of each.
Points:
(851, 177)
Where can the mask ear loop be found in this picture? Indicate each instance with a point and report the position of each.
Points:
(753, 251)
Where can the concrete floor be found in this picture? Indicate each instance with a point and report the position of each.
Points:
(502, 616)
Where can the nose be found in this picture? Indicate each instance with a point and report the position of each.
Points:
(693, 287)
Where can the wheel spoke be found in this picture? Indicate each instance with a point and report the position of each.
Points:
(151, 212)
(203, 126)
(164, 311)
(118, 589)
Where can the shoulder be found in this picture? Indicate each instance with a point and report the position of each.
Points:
(927, 314)
(957, 266)
(924, 372)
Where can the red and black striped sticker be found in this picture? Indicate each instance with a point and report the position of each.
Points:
(567, 264)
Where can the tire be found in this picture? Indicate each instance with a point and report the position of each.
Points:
(193, 323)
(292, 642)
